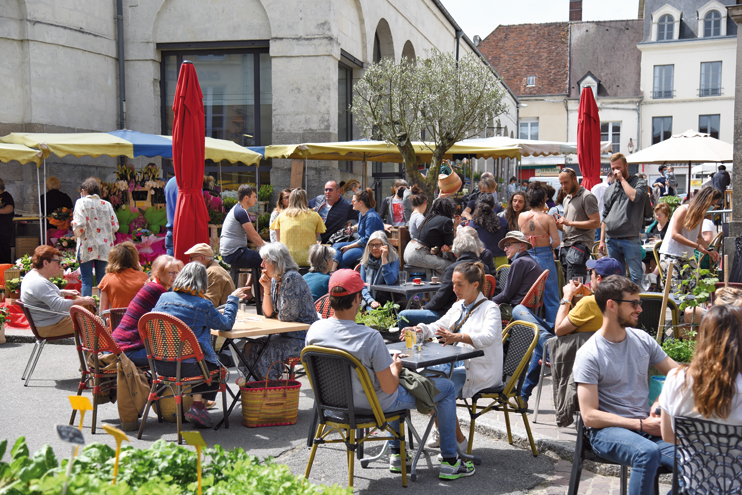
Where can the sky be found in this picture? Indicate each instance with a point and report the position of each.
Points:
(481, 17)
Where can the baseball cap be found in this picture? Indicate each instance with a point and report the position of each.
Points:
(347, 279)
(605, 267)
(201, 249)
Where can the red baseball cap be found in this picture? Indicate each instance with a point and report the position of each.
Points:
(347, 279)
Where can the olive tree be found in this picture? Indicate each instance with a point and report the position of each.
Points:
(447, 100)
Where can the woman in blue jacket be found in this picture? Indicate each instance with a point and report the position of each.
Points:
(348, 253)
(188, 303)
(379, 266)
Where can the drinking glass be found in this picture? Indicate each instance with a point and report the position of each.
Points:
(646, 282)
(577, 280)
(402, 278)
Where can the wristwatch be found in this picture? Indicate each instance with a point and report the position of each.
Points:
(564, 301)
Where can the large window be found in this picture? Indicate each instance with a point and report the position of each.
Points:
(663, 80)
(345, 118)
(709, 124)
(238, 102)
(665, 28)
(611, 131)
(712, 24)
(528, 129)
(710, 79)
(661, 129)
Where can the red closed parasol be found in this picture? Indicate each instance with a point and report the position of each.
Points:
(588, 139)
(189, 137)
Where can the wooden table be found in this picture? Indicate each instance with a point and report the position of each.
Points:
(250, 326)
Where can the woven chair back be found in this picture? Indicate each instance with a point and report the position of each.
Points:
(534, 299)
(167, 338)
(322, 305)
(93, 334)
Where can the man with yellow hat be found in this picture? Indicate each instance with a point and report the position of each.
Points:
(220, 283)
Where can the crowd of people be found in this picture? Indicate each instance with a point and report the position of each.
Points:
(338, 244)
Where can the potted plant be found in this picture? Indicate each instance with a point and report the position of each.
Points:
(383, 318)
(4, 316)
(60, 282)
(264, 225)
(13, 288)
(695, 291)
(681, 350)
(264, 197)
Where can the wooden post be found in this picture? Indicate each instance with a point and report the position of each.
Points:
(665, 296)
(297, 174)
(726, 270)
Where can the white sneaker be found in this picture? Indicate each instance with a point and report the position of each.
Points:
(434, 442)
(460, 447)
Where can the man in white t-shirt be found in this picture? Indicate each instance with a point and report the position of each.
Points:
(366, 344)
(598, 191)
(611, 373)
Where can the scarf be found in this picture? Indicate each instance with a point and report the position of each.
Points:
(374, 273)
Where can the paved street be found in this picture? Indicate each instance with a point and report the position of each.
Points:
(35, 410)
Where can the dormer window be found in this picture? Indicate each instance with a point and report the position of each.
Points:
(712, 24)
(530, 81)
(712, 20)
(589, 81)
(665, 28)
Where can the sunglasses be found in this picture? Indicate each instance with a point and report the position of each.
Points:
(510, 244)
(635, 303)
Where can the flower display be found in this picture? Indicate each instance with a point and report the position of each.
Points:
(4, 314)
(61, 218)
(126, 173)
(65, 242)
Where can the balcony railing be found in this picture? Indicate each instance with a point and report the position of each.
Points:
(710, 91)
(663, 94)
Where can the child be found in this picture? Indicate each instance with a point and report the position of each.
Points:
(672, 182)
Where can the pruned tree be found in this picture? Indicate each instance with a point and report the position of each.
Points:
(448, 100)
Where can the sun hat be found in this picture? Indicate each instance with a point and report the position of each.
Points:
(514, 235)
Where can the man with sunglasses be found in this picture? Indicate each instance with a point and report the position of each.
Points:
(335, 210)
(49, 308)
(611, 373)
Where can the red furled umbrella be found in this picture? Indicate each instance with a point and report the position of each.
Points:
(588, 139)
(189, 137)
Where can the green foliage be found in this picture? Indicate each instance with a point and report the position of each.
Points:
(24, 263)
(265, 193)
(694, 294)
(383, 318)
(671, 201)
(13, 285)
(222, 263)
(163, 469)
(681, 350)
(228, 202)
(60, 282)
(264, 221)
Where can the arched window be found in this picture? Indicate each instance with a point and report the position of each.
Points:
(665, 28)
(712, 24)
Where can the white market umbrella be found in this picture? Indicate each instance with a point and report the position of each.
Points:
(689, 147)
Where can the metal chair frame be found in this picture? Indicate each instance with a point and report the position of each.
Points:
(675, 315)
(112, 317)
(507, 396)
(40, 341)
(92, 337)
(501, 274)
(376, 421)
(185, 346)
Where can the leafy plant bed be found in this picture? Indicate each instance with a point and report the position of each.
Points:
(163, 469)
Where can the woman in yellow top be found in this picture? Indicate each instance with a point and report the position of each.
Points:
(298, 227)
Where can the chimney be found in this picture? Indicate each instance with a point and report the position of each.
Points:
(575, 10)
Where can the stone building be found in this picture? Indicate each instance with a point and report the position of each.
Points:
(272, 72)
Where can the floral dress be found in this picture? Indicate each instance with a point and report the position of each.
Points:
(292, 301)
(95, 225)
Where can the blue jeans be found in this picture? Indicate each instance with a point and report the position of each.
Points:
(138, 357)
(86, 275)
(533, 374)
(545, 257)
(627, 252)
(416, 316)
(169, 242)
(446, 401)
(350, 258)
(244, 257)
(597, 234)
(643, 452)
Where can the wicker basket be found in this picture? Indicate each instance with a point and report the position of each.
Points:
(270, 402)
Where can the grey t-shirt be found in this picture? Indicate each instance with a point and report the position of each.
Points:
(620, 369)
(362, 342)
(233, 233)
(40, 292)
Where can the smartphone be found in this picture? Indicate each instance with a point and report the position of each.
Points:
(658, 411)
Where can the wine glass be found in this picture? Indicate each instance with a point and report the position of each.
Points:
(646, 282)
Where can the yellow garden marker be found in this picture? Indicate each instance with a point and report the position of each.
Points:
(120, 436)
(194, 438)
(82, 404)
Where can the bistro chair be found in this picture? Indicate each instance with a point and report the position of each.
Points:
(167, 338)
(113, 317)
(519, 339)
(584, 452)
(91, 338)
(656, 251)
(501, 274)
(595, 253)
(322, 305)
(40, 341)
(490, 283)
(330, 373)
(534, 298)
(650, 315)
(708, 457)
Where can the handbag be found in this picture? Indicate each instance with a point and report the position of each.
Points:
(270, 402)
(342, 236)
